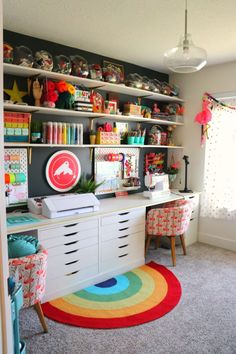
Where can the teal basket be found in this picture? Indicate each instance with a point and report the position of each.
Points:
(16, 304)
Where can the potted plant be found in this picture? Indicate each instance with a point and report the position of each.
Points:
(172, 170)
(92, 137)
(86, 185)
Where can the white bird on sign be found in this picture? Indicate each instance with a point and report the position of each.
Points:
(64, 168)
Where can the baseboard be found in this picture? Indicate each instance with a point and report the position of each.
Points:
(217, 241)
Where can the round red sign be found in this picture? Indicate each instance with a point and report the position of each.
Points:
(63, 171)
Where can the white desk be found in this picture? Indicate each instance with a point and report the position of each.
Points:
(89, 248)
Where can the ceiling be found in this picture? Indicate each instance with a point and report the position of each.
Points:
(136, 31)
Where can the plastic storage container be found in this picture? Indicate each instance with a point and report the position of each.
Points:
(16, 304)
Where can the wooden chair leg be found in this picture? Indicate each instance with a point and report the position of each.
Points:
(147, 243)
(172, 244)
(182, 239)
(157, 241)
(41, 317)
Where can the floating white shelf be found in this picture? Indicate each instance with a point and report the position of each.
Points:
(18, 70)
(90, 146)
(91, 115)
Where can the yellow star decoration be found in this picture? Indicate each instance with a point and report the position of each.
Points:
(15, 94)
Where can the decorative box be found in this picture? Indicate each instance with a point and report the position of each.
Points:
(17, 127)
(132, 109)
(108, 138)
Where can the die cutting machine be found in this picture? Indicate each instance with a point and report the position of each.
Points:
(63, 204)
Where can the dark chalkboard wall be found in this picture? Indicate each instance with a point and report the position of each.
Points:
(36, 173)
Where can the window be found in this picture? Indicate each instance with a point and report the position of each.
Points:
(219, 194)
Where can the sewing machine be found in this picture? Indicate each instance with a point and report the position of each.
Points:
(157, 184)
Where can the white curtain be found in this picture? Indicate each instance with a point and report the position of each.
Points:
(219, 194)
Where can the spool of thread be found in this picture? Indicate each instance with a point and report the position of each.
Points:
(68, 133)
(49, 133)
(12, 178)
(64, 135)
(54, 135)
(115, 157)
(72, 133)
(7, 178)
(20, 177)
(44, 138)
(59, 133)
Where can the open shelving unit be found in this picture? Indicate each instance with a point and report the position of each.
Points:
(91, 146)
(91, 115)
(22, 71)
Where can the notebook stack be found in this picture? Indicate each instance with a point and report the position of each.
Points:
(82, 101)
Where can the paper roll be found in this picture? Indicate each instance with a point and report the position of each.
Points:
(20, 177)
(12, 178)
(7, 178)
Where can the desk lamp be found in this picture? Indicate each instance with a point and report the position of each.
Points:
(186, 190)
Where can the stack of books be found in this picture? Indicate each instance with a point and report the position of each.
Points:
(82, 101)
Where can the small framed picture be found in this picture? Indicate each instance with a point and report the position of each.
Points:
(118, 69)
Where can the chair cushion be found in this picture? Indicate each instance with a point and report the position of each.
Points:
(30, 271)
(169, 221)
(21, 245)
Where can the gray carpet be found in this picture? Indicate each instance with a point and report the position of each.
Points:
(203, 322)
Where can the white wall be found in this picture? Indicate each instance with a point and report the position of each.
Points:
(6, 343)
(214, 79)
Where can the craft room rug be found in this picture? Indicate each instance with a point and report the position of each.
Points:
(138, 296)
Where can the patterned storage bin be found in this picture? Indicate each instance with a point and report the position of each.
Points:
(108, 138)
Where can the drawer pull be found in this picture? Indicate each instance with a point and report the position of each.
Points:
(125, 228)
(123, 255)
(71, 243)
(73, 262)
(125, 213)
(70, 225)
(76, 271)
(123, 246)
(123, 236)
(71, 251)
(191, 197)
(73, 233)
(192, 219)
(122, 222)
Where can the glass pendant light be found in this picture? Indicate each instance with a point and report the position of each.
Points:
(186, 57)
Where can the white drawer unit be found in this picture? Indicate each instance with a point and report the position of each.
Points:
(80, 236)
(117, 247)
(191, 234)
(113, 231)
(67, 229)
(72, 254)
(69, 281)
(120, 256)
(122, 217)
(73, 261)
(122, 238)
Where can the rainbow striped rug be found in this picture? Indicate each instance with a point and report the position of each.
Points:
(141, 295)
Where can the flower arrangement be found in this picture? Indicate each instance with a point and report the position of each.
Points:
(174, 168)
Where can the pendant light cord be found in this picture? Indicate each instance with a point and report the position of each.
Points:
(185, 41)
(186, 20)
